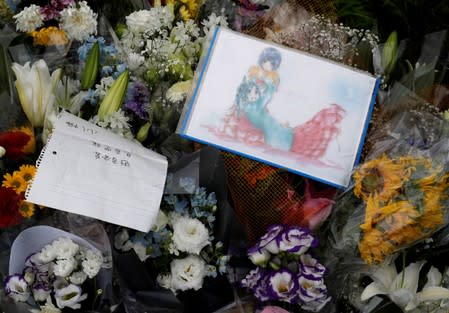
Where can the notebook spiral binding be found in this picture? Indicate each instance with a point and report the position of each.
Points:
(38, 163)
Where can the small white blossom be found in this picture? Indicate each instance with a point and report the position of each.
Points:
(135, 61)
(164, 280)
(212, 21)
(79, 21)
(188, 273)
(40, 292)
(78, 278)
(29, 19)
(92, 263)
(149, 21)
(161, 221)
(190, 235)
(104, 85)
(49, 307)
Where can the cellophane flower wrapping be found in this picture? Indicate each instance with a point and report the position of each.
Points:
(398, 198)
(263, 195)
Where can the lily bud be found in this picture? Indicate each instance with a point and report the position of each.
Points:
(90, 72)
(142, 134)
(389, 53)
(114, 96)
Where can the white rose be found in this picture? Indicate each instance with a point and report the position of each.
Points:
(64, 268)
(190, 235)
(138, 21)
(65, 248)
(188, 273)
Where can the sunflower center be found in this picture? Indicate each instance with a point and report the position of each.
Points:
(373, 181)
(16, 184)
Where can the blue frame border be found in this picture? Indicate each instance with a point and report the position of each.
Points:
(186, 117)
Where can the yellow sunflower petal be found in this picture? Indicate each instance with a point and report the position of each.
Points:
(27, 172)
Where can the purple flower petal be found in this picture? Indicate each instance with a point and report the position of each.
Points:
(269, 240)
(283, 286)
(310, 268)
(296, 240)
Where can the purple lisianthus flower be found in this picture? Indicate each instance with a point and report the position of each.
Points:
(312, 294)
(261, 289)
(137, 100)
(296, 240)
(283, 286)
(253, 278)
(259, 256)
(17, 288)
(310, 268)
(269, 241)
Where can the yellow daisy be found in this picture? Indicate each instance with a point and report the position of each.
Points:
(15, 182)
(26, 209)
(27, 172)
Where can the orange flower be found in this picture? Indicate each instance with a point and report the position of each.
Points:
(49, 36)
(30, 147)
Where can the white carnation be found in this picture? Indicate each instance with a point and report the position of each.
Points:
(79, 21)
(65, 248)
(190, 235)
(187, 273)
(135, 61)
(29, 19)
(149, 21)
(47, 254)
(92, 263)
(78, 278)
(64, 268)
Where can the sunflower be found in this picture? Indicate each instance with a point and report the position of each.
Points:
(381, 177)
(188, 9)
(374, 248)
(30, 147)
(49, 36)
(15, 182)
(26, 209)
(27, 172)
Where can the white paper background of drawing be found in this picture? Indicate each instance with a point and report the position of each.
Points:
(307, 85)
(78, 174)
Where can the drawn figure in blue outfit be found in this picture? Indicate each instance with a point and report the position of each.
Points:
(252, 103)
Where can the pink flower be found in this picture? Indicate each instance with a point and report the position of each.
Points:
(273, 309)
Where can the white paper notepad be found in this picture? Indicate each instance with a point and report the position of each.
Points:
(87, 170)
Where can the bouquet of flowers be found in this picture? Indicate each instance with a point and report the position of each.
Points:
(285, 270)
(181, 245)
(58, 22)
(61, 271)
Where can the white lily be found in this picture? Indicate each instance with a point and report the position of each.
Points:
(36, 89)
(402, 288)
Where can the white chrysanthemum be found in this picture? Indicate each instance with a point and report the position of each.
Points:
(190, 235)
(212, 21)
(79, 21)
(78, 278)
(187, 273)
(64, 268)
(29, 19)
(65, 248)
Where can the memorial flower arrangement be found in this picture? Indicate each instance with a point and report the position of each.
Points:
(57, 275)
(181, 246)
(286, 271)
(58, 22)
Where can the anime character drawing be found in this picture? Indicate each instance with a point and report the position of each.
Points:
(250, 121)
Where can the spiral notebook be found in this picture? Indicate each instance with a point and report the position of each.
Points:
(87, 170)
